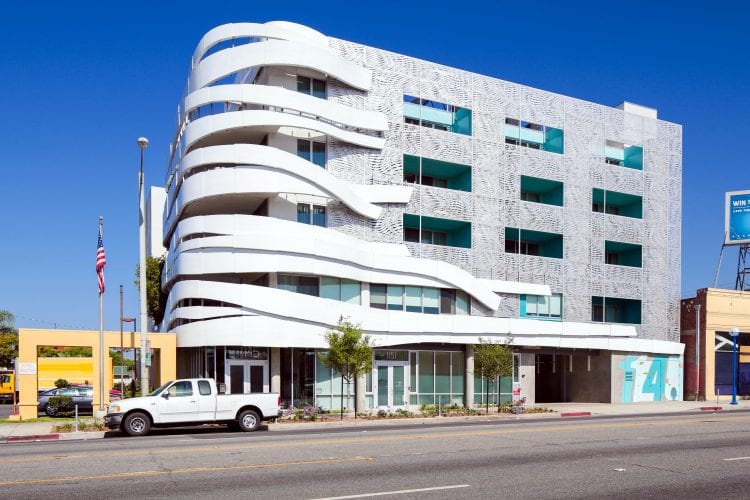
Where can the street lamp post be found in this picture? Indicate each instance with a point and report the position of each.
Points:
(734, 332)
(142, 144)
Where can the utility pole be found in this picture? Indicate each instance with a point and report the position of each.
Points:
(143, 144)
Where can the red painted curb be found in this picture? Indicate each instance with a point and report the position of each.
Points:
(711, 408)
(576, 414)
(41, 437)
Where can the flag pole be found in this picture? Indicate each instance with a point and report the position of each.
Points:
(101, 333)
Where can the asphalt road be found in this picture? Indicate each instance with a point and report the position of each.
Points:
(697, 456)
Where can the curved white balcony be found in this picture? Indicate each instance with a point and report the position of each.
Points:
(263, 244)
(269, 170)
(278, 318)
(281, 30)
(270, 121)
(278, 53)
(288, 100)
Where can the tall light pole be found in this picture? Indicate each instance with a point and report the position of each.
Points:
(142, 144)
(734, 332)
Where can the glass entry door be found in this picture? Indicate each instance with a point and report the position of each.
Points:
(391, 385)
(243, 377)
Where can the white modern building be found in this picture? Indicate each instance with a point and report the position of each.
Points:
(313, 178)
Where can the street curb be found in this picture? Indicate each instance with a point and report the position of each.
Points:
(711, 408)
(39, 437)
(81, 436)
(576, 414)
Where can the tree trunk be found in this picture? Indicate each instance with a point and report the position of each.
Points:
(498, 394)
(487, 396)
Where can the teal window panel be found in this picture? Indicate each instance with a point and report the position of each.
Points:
(541, 307)
(633, 157)
(534, 135)
(615, 310)
(437, 173)
(541, 190)
(554, 140)
(528, 242)
(435, 114)
(623, 254)
(456, 233)
(624, 155)
(442, 372)
(612, 202)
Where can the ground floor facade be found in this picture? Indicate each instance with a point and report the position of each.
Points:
(414, 375)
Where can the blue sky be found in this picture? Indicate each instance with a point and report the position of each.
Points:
(80, 81)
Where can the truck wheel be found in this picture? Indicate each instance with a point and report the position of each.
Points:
(248, 420)
(136, 424)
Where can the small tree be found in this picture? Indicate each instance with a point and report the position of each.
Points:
(349, 353)
(8, 339)
(493, 360)
(61, 383)
(156, 299)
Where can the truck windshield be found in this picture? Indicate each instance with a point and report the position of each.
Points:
(157, 391)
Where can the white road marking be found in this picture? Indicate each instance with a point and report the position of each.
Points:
(397, 492)
(736, 458)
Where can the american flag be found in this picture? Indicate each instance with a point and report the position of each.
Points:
(101, 261)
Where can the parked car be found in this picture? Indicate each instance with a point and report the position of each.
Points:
(82, 395)
(191, 402)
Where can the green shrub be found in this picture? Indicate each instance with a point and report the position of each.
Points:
(61, 383)
(63, 405)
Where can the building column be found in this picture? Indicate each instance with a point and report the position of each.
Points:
(361, 388)
(275, 370)
(527, 375)
(469, 377)
(365, 294)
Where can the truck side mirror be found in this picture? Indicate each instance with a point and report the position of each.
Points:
(165, 394)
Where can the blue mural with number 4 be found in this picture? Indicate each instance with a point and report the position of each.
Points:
(651, 378)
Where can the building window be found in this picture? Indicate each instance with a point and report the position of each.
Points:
(340, 289)
(623, 254)
(614, 203)
(538, 190)
(312, 151)
(436, 173)
(377, 296)
(527, 242)
(623, 155)
(311, 86)
(436, 231)
(615, 310)
(307, 285)
(418, 299)
(311, 214)
(542, 306)
(534, 135)
(438, 115)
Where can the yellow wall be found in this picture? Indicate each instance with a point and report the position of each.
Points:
(29, 340)
(725, 309)
(74, 370)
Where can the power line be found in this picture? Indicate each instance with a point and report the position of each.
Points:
(54, 324)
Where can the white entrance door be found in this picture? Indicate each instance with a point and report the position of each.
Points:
(392, 381)
(243, 377)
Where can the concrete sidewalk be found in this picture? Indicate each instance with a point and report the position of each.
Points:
(43, 431)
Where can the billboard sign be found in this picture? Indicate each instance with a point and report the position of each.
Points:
(737, 218)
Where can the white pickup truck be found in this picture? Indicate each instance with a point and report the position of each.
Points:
(192, 401)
